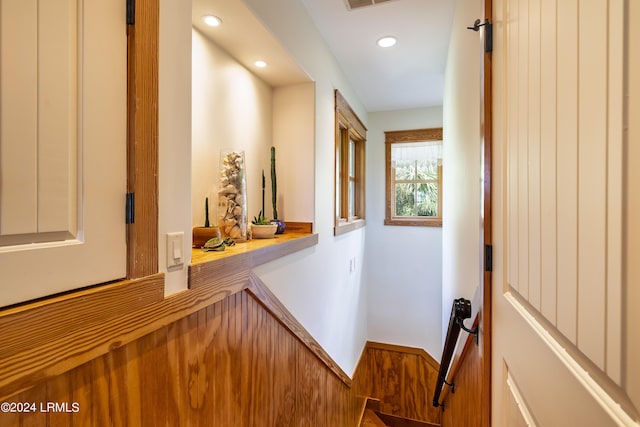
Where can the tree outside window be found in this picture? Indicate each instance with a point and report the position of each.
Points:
(414, 177)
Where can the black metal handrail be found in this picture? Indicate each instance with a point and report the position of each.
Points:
(460, 310)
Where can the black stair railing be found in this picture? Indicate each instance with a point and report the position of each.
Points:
(460, 310)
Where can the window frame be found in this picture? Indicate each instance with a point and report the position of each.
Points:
(349, 132)
(404, 136)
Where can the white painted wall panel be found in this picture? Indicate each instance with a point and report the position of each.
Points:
(615, 187)
(589, 215)
(512, 150)
(564, 168)
(522, 125)
(567, 167)
(592, 177)
(39, 121)
(533, 154)
(548, 175)
(63, 146)
(631, 277)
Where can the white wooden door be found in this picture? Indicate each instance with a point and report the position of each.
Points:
(565, 338)
(62, 145)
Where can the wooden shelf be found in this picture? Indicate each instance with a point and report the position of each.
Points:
(210, 266)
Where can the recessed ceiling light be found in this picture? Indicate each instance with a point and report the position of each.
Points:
(387, 41)
(260, 64)
(212, 21)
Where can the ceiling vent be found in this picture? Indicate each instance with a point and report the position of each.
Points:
(356, 4)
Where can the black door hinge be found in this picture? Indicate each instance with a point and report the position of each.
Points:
(130, 209)
(488, 258)
(488, 33)
(488, 37)
(131, 12)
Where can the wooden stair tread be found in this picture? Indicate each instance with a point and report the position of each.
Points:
(396, 421)
(370, 419)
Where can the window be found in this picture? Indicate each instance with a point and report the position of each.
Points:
(414, 177)
(349, 168)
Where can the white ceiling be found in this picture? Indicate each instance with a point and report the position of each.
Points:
(407, 75)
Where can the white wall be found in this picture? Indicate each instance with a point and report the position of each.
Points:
(174, 139)
(461, 153)
(403, 265)
(294, 139)
(231, 110)
(315, 284)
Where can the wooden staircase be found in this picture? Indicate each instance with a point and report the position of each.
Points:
(374, 417)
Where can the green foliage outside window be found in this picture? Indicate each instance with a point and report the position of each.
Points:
(416, 188)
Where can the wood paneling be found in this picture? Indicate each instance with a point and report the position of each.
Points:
(564, 121)
(229, 364)
(402, 378)
(464, 407)
(47, 338)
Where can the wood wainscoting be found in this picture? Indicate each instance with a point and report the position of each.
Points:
(402, 378)
(231, 363)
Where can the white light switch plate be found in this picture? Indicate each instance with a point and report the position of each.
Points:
(174, 249)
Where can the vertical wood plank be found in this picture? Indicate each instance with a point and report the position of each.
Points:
(117, 381)
(208, 326)
(513, 255)
(152, 362)
(18, 116)
(101, 413)
(567, 158)
(308, 387)
(534, 153)
(37, 395)
(82, 393)
(615, 187)
(284, 377)
(58, 392)
(523, 149)
(592, 179)
(548, 141)
(221, 359)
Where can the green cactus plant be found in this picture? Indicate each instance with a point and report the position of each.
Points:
(274, 185)
(206, 212)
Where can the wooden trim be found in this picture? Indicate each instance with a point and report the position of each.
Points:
(348, 127)
(415, 135)
(36, 323)
(272, 304)
(343, 108)
(299, 227)
(49, 337)
(431, 134)
(346, 226)
(142, 159)
(211, 266)
(427, 222)
(404, 349)
(82, 344)
(485, 315)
